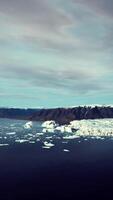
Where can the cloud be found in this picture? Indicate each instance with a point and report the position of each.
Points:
(36, 19)
(70, 80)
(60, 27)
(101, 7)
(58, 45)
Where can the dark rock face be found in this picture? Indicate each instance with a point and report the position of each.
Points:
(16, 113)
(60, 115)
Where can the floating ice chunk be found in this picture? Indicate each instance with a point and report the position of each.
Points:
(86, 139)
(32, 142)
(66, 150)
(64, 128)
(49, 137)
(11, 133)
(49, 124)
(21, 141)
(44, 130)
(3, 145)
(97, 137)
(46, 147)
(48, 144)
(70, 137)
(28, 125)
(64, 142)
(39, 134)
(48, 130)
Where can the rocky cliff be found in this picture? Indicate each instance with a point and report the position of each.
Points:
(60, 115)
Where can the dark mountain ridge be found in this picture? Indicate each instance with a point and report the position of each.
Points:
(60, 115)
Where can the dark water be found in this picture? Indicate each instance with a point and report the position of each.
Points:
(28, 171)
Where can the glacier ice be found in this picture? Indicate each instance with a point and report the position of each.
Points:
(98, 127)
(92, 128)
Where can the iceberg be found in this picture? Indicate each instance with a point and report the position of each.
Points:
(64, 128)
(49, 124)
(28, 125)
(48, 144)
(98, 127)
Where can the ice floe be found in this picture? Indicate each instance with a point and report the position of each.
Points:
(70, 137)
(39, 134)
(32, 142)
(66, 150)
(48, 130)
(46, 147)
(21, 141)
(49, 124)
(1, 145)
(11, 133)
(64, 128)
(28, 125)
(48, 144)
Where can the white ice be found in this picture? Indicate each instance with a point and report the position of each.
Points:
(11, 133)
(66, 150)
(21, 141)
(48, 144)
(28, 125)
(3, 145)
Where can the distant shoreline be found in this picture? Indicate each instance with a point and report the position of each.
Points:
(60, 115)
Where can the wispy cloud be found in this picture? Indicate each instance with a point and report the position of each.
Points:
(62, 45)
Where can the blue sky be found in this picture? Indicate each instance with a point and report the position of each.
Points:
(56, 53)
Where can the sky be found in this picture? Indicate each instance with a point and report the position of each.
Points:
(56, 53)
